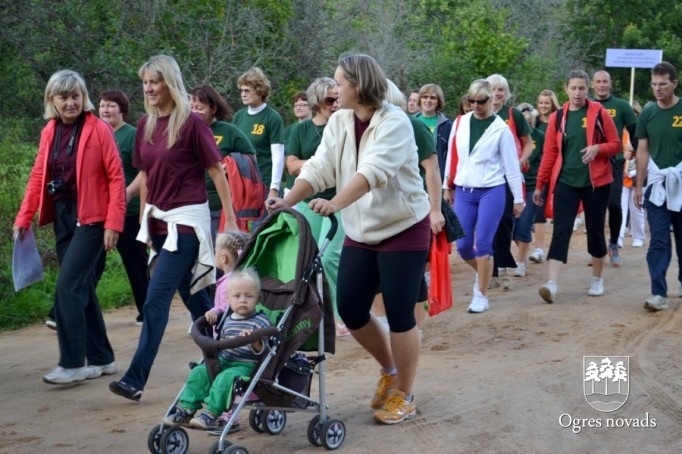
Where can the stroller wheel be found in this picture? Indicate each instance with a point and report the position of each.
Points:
(314, 431)
(174, 441)
(229, 448)
(256, 420)
(154, 439)
(274, 421)
(333, 434)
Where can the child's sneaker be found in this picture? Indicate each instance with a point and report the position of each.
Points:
(205, 421)
(386, 383)
(396, 409)
(179, 417)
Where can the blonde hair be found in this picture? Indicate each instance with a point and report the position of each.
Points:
(61, 83)
(232, 242)
(247, 274)
(498, 80)
(168, 70)
(435, 89)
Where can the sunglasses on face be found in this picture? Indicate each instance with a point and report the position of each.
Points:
(330, 101)
(478, 101)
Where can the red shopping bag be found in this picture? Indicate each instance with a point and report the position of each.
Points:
(440, 289)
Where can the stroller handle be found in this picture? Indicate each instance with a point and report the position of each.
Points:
(334, 227)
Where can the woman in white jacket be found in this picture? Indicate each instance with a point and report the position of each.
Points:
(481, 153)
(368, 152)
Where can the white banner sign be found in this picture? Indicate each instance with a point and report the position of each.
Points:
(633, 58)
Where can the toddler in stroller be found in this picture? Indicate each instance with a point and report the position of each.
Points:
(243, 290)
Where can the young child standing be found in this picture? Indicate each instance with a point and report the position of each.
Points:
(243, 290)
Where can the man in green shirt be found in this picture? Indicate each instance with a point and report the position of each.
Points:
(624, 117)
(659, 161)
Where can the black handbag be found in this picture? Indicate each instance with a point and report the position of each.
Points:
(453, 229)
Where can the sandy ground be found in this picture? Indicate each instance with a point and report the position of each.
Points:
(505, 381)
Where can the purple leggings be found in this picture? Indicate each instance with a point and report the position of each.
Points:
(479, 210)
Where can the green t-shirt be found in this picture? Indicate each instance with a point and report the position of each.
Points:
(663, 129)
(425, 144)
(522, 126)
(229, 139)
(431, 123)
(622, 114)
(477, 128)
(125, 139)
(531, 176)
(574, 172)
(303, 141)
(542, 126)
(263, 129)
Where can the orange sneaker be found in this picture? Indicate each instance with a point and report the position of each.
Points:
(385, 384)
(396, 409)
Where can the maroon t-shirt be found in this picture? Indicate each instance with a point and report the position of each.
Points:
(175, 176)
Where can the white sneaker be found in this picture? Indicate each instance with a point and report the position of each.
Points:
(548, 291)
(620, 242)
(98, 371)
(637, 243)
(479, 303)
(577, 223)
(536, 256)
(596, 286)
(61, 376)
(520, 270)
(656, 303)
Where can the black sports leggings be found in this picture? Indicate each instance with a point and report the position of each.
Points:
(361, 271)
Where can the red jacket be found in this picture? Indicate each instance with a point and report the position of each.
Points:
(99, 179)
(600, 169)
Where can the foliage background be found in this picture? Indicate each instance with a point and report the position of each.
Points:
(534, 43)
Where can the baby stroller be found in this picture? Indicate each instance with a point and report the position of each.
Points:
(295, 297)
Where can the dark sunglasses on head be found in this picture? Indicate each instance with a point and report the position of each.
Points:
(330, 101)
(527, 109)
(478, 101)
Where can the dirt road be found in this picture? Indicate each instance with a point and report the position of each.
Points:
(509, 380)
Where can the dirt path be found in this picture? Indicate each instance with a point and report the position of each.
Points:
(494, 382)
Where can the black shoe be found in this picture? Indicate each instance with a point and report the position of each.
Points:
(139, 319)
(125, 390)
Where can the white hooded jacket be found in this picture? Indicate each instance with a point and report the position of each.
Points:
(493, 157)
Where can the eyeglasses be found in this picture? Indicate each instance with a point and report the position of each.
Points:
(301, 106)
(479, 101)
(330, 101)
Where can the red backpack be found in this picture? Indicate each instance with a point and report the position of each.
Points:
(247, 188)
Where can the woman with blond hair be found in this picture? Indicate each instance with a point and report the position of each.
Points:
(77, 183)
(174, 147)
(547, 105)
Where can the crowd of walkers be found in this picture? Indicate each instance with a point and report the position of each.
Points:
(376, 159)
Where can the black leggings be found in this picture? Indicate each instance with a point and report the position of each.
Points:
(361, 271)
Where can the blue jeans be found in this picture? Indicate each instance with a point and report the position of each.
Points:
(660, 247)
(173, 271)
(524, 224)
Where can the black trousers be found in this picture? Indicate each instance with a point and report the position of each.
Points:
(615, 209)
(566, 202)
(80, 326)
(134, 257)
(502, 255)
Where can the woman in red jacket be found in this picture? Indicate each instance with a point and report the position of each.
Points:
(76, 182)
(576, 163)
